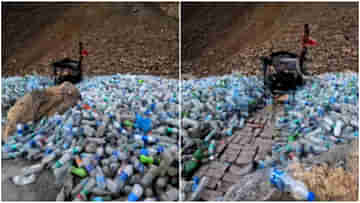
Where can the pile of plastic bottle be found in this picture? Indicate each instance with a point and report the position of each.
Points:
(323, 113)
(121, 140)
(119, 143)
(216, 106)
(211, 109)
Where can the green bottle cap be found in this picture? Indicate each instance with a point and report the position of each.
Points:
(170, 130)
(79, 172)
(146, 159)
(128, 123)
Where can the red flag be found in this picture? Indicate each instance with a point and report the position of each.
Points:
(84, 53)
(310, 42)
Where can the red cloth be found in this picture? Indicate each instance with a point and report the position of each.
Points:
(84, 53)
(309, 41)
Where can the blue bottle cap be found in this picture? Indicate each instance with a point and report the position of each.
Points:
(132, 197)
(144, 152)
(311, 196)
(196, 179)
(160, 149)
(98, 199)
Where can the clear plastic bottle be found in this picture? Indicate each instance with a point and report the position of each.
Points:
(23, 180)
(136, 193)
(65, 158)
(123, 176)
(32, 169)
(89, 166)
(146, 139)
(61, 172)
(79, 186)
(139, 167)
(196, 194)
(100, 178)
(286, 183)
(149, 177)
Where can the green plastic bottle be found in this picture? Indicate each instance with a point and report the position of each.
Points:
(190, 167)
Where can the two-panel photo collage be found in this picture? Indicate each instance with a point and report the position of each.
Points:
(179, 101)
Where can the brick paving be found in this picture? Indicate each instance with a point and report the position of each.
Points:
(236, 155)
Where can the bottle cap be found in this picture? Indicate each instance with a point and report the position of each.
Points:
(144, 152)
(311, 196)
(132, 197)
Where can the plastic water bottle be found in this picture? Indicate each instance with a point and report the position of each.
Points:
(23, 180)
(196, 194)
(286, 183)
(123, 176)
(100, 178)
(150, 176)
(139, 167)
(146, 139)
(79, 186)
(89, 166)
(136, 193)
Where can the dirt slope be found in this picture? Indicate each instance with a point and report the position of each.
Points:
(218, 38)
(120, 37)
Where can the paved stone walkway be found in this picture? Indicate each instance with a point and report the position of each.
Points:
(236, 155)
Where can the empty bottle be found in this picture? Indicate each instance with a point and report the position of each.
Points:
(23, 180)
(123, 176)
(100, 178)
(286, 183)
(136, 193)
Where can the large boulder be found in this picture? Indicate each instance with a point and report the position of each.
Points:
(33, 106)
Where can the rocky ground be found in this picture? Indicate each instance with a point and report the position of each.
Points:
(138, 38)
(218, 38)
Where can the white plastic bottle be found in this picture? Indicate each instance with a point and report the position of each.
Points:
(286, 183)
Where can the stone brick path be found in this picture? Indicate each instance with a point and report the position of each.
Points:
(236, 156)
